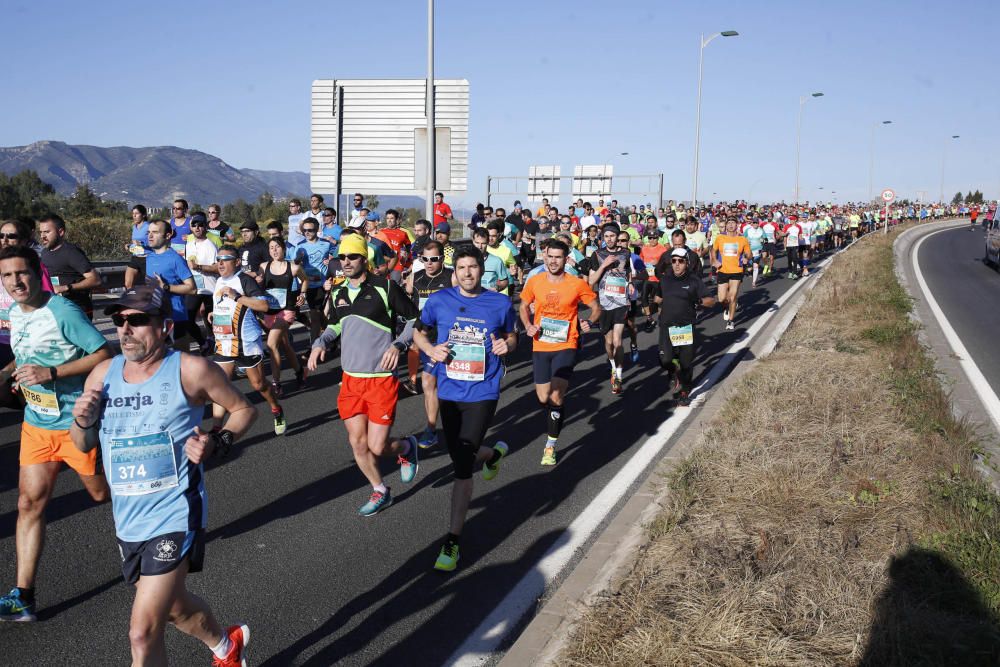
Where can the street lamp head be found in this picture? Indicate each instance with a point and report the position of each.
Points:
(729, 33)
(954, 136)
(817, 94)
(887, 122)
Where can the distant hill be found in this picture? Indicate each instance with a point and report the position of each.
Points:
(153, 175)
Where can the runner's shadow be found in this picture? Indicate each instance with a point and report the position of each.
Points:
(929, 614)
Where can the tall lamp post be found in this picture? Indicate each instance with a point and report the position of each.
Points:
(431, 138)
(944, 156)
(871, 158)
(798, 140)
(697, 123)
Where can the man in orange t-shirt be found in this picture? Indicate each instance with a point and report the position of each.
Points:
(650, 254)
(556, 296)
(727, 249)
(399, 241)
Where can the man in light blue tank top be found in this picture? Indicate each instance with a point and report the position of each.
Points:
(144, 408)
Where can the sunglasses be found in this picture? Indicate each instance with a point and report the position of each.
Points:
(178, 208)
(308, 229)
(678, 260)
(133, 319)
(328, 215)
(225, 258)
(197, 224)
(12, 237)
(433, 258)
(354, 257)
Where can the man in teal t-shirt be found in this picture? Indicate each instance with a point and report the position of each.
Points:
(55, 347)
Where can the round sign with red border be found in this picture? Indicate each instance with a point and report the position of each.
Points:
(888, 195)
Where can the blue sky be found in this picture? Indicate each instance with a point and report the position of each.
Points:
(551, 82)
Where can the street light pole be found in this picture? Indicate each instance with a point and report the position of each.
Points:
(798, 140)
(431, 139)
(944, 156)
(871, 160)
(697, 123)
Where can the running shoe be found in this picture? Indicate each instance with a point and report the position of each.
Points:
(377, 502)
(276, 389)
(409, 386)
(280, 424)
(650, 325)
(447, 558)
(616, 385)
(635, 355)
(409, 464)
(13, 608)
(549, 456)
(239, 637)
(684, 399)
(725, 315)
(490, 471)
(730, 326)
(427, 439)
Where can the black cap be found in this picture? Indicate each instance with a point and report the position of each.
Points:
(198, 217)
(148, 298)
(250, 225)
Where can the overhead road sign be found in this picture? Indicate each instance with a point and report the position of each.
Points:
(370, 135)
(543, 183)
(592, 180)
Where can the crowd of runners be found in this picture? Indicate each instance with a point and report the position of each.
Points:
(403, 309)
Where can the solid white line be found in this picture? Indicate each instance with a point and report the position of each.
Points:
(478, 647)
(976, 378)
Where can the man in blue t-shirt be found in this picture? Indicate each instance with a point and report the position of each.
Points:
(331, 229)
(169, 269)
(474, 332)
(314, 255)
(180, 225)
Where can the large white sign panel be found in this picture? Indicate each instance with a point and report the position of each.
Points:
(543, 183)
(372, 135)
(592, 180)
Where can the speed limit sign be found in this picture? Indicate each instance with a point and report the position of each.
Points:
(888, 195)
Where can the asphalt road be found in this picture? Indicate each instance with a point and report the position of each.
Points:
(320, 585)
(968, 292)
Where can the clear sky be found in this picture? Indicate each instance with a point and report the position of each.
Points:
(551, 82)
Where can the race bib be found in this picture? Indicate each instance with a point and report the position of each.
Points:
(468, 362)
(199, 280)
(41, 401)
(650, 268)
(554, 331)
(142, 464)
(422, 301)
(730, 249)
(222, 324)
(681, 336)
(137, 249)
(615, 285)
(279, 295)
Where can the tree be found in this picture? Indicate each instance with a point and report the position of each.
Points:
(84, 203)
(957, 199)
(977, 197)
(371, 202)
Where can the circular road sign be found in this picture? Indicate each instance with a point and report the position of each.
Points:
(888, 195)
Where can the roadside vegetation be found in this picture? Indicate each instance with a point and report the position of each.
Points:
(832, 514)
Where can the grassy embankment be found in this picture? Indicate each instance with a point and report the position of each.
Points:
(831, 514)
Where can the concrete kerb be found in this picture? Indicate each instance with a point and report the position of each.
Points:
(613, 553)
(965, 403)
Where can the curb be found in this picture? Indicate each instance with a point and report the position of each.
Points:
(613, 552)
(965, 402)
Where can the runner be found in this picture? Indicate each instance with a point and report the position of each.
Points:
(496, 277)
(681, 290)
(791, 234)
(634, 294)
(238, 334)
(466, 331)
(610, 269)
(771, 234)
(180, 225)
(217, 229)
(144, 407)
(282, 280)
(71, 272)
(201, 250)
(727, 250)
(651, 252)
(365, 311)
(54, 346)
(140, 225)
(555, 333)
(420, 286)
(756, 240)
(313, 254)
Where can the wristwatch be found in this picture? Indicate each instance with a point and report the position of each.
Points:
(399, 346)
(223, 443)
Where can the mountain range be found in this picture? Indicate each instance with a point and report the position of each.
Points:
(153, 175)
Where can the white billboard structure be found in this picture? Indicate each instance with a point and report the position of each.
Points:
(370, 136)
(592, 180)
(543, 183)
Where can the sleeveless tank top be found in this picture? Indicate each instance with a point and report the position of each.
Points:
(281, 287)
(155, 489)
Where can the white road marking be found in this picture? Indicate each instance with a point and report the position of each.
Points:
(976, 378)
(479, 646)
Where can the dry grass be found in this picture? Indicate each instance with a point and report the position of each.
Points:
(831, 515)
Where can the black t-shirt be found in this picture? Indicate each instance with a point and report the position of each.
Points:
(67, 265)
(680, 295)
(252, 255)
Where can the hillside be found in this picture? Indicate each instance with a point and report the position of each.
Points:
(153, 175)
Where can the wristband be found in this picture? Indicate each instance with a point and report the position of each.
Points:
(55, 373)
(84, 428)
(399, 346)
(223, 443)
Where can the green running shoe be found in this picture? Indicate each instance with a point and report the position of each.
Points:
(13, 608)
(489, 472)
(280, 424)
(447, 558)
(409, 464)
(549, 456)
